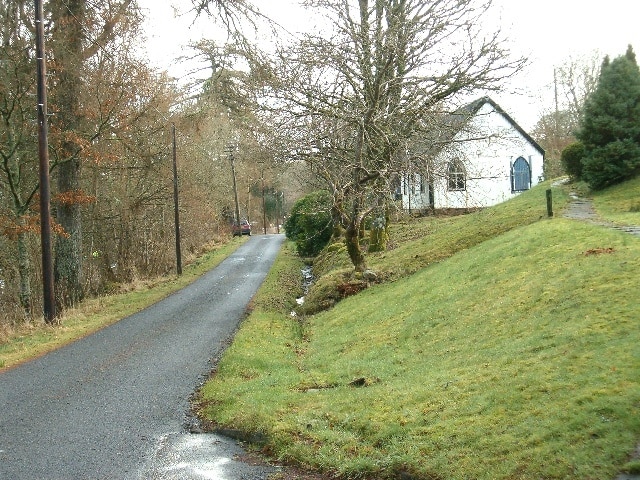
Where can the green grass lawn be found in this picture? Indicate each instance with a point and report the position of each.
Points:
(417, 243)
(499, 349)
(620, 203)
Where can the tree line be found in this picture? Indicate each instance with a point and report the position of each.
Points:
(591, 130)
(336, 109)
(110, 147)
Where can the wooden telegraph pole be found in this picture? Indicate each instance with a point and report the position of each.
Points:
(230, 149)
(176, 210)
(264, 210)
(43, 156)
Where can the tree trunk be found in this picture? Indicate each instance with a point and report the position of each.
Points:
(24, 268)
(336, 216)
(68, 259)
(352, 240)
(69, 19)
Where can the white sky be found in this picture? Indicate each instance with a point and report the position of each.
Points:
(548, 32)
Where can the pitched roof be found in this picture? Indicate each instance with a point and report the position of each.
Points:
(472, 108)
(433, 141)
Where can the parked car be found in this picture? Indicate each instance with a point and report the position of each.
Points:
(243, 229)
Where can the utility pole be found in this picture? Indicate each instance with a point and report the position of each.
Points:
(235, 186)
(282, 211)
(277, 197)
(175, 201)
(264, 211)
(49, 305)
(557, 109)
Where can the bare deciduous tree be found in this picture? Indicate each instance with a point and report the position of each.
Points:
(573, 82)
(351, 99)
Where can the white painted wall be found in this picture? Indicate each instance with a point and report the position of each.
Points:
(487, 149)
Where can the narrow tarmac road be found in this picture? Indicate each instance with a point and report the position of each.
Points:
(114, 405)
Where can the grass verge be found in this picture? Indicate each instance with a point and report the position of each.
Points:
(34, 339)
(620, 203)
(513, 357)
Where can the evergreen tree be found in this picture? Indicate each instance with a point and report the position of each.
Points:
(610, 129)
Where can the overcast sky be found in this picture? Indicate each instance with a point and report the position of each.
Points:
(548, 32)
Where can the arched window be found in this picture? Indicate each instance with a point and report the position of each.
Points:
(456, 177)
(520, 175)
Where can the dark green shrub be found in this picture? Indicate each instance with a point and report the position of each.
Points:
(571, 158)
(610, 128)
(310, 224)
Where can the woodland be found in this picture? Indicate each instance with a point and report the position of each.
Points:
(111, 140)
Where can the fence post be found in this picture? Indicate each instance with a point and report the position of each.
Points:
(549, 203)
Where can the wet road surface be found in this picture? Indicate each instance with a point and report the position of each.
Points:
(114, 405)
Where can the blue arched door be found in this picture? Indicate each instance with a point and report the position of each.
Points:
(521, 175)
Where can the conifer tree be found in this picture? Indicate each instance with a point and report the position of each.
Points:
(610, 130)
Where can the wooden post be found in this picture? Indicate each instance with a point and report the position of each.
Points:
(549, 203)
(264, 211)
(43, 155)
(235, 185)
(176, 210)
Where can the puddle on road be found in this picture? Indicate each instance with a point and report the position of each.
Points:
(186, 456)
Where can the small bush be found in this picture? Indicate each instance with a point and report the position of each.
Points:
(571, 158)
(310, 224)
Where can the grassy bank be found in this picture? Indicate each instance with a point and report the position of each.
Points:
(418, 243)
(621, 203)
(502, 348)
(23, 342)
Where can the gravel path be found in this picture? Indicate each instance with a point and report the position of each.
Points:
(582, 209)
